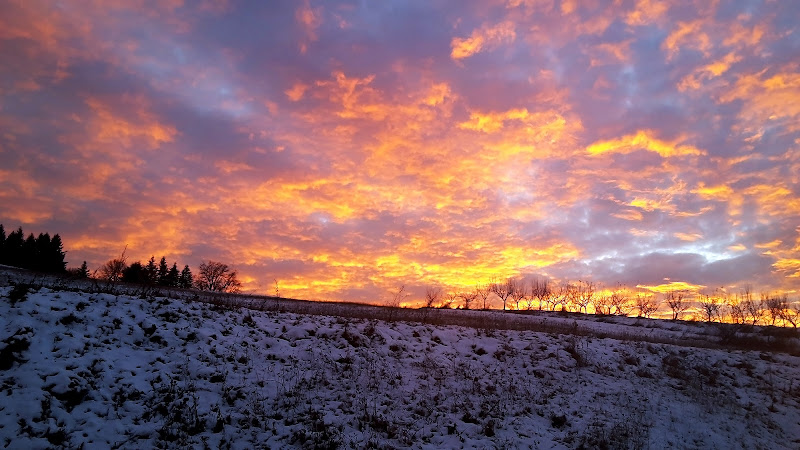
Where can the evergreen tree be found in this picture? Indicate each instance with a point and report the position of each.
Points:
(83, 272)
(14, 248)
(163, 271)
(30, 256)
(186, 279)
(136, 273)
(2, 243)
(55, 258)
(42, 253)
(152, 270)
(173, 276)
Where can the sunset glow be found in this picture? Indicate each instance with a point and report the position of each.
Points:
(347, 148)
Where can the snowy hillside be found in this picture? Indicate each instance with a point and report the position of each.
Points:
(117, 371)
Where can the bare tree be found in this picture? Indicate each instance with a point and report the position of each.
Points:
(503, 290)
(112, 269)
(709, 306)
(619, 300)
(432, 296)
(540, 289)
(646, 305)
(450, 299)
(752, 308)
(217, 277)
(775, 305)
(736, 309)
(791, 314)
(519, 290)
(584, 295)
(602, 304)
(483, 291)
(468, 297)
(677, 303)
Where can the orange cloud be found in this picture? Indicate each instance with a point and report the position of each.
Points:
(482, 39)
(309, 20)
(644, 140)
(767, 100)
(687, 35)
(695, 80)
(646, 12)
(672, 286)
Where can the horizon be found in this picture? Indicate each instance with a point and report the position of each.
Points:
(347, 149)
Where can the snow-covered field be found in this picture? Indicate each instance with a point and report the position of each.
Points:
(117, 371)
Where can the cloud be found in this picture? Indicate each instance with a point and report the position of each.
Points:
(488, 37)
(345, 149)
(643, 140)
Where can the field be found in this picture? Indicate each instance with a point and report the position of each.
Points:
(104, 367)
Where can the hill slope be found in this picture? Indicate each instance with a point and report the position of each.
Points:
(104, 371)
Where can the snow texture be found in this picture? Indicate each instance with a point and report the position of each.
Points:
(95, 370)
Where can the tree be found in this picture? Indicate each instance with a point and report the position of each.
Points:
(709, 306)
(432, 295)
(217, 277)
(152, 270)
(646, 305)
(112, 269)
(2, 242)
(540, 289)
(750, 306)
(602, 304)
(13, 248)
(163, 271)
(619, 300)
(585, 294)
(677, 303)
(468, 297)
(55, 258)
(186, 280)
(450, 299)
(83, 272)
(483, 291)
(519, 290)
(172, 277)
(503, 290)
(136, 273)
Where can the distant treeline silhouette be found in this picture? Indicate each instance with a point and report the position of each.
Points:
(42, 253)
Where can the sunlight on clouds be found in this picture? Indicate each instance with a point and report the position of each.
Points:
(643, 140)
(687, 35)
(110, 127)
(672, 286)
(688, 237)
(702, 75)
(483, 39)
(646, 12)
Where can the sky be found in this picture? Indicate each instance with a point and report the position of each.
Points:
(347, 148)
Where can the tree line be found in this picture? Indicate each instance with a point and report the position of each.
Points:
(46, 254)
(40, 253)
(542, 294)
(212, 275)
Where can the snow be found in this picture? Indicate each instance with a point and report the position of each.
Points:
(118, 371)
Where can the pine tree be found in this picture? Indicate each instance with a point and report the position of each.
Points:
(152, 270)
(55, 258)
(29, 256)
(2, 243)
(186, 279)
(136, 273)
(14, 248)
(39, 258)
(173, 276)
(163, 271)
(83, 272)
